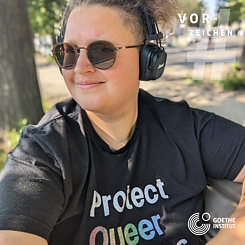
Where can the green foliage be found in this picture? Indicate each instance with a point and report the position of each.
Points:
(45, 15)
(46, 106)
(242, 9)
(192, 81)
(235, 79)
(3, 158)
(237, 10)
(13, 139)
(14, 134)
(50, 59)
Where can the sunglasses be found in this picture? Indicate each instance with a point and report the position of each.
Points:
(101, 54)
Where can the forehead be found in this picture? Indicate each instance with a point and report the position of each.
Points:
(94, 22)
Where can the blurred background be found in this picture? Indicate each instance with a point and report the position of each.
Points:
(31, 83)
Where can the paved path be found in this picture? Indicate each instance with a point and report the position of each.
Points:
(227, 104)
(172, 85)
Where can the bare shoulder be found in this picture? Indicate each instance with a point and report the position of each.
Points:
(20, 238)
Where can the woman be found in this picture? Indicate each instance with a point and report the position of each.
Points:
(114, 165)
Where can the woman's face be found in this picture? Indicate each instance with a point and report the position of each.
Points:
(102, 91)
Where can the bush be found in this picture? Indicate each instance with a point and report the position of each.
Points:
(13, 139)
(3, 158)
(235, 79)
(14, 134)
(46, 106)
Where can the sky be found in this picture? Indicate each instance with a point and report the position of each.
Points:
(211, 5)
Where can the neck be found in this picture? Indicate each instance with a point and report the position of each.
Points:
(115, 130)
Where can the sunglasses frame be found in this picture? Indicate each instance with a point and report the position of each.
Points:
(77, 52)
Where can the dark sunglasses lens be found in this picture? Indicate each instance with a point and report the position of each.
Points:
(102, 55)
(65, 55)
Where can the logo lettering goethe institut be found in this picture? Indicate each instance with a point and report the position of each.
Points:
(204, 228)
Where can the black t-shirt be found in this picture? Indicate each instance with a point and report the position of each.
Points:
(64, 183)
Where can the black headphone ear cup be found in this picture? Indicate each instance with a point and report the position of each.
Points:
(152, 62)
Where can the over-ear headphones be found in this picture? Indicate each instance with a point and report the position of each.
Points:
(152, 56)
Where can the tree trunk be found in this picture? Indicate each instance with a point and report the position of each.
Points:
(19, 91)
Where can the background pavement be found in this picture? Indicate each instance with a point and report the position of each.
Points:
(174, 84)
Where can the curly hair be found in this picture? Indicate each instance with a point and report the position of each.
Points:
(164, 12)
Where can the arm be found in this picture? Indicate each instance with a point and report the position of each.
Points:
(222, 149)
(233, 236)
(20, 238)
(31, 199)
(241, 176)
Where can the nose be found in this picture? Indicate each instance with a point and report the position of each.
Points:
(83, 64)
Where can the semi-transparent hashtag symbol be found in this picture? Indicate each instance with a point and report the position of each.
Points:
(218, 56)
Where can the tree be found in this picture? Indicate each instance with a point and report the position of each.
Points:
(237, 13)
(45, 15)
(19, 91)
(237, 10)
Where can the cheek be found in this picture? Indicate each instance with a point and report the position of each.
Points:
(128, 67)
(68, 76)
(124, 80)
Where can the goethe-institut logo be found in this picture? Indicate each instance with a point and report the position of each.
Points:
(194, 228)
(217, 223)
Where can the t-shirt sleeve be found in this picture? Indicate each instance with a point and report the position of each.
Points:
(31, 190)
(221, 143)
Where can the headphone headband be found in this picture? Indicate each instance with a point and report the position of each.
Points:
(153, 31)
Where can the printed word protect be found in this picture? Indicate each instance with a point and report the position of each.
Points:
(136, 197)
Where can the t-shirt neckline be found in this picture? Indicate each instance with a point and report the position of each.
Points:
(91, 133)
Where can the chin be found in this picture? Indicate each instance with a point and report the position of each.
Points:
(90, 105)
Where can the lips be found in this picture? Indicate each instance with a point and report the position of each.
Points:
(88, 84)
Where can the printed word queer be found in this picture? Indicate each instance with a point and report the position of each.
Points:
(135, 197)
(145, 229)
